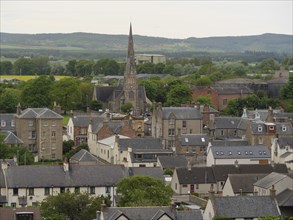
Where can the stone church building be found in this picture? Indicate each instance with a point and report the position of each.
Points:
(113, 97)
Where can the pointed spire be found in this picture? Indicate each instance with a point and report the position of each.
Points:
(130, 52)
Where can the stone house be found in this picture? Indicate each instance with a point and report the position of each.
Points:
(168, 123)
(29, 185)
(41, 131)
(282, 151)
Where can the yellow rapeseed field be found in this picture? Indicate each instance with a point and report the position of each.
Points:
(26, 78)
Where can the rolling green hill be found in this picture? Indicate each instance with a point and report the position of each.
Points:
(84, 43)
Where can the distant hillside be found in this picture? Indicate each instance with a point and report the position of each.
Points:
(87, 42)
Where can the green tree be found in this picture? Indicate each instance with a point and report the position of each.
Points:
(36, 92)
(143, 191)
(71, 67)
(9, 100)
(67, 93)
(24, 66)
(96, 105)
(287, 90)
(6, 67)
(180, 94)
(203, 81)
(268, 65)
(203, 100)
(126, 107)
(76, 149)
(84, 67)
(106, 67)
(42, 65)
(72, 206)
(67, 146)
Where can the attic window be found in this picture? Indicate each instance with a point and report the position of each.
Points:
(232, 122)
(203, 139)
(265, 153)
(283, 128)
(239, 153)
(259, 129)
(222, 153)
(217, 152)
(3, 123)
(12, 123)
(186, 140)
(271, 128)
(230, 153)
(260, 153)
(250, 152)
(246, 152)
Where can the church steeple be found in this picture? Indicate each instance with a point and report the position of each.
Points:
(130, 86)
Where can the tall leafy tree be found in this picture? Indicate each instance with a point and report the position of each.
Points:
(106, 67)
(180, 94)
(9, 100)
(42, 65)
(71, 67)
(72, 206)
(36, 92)
(143, 191)
(6, 67)
(24, 66)
(67, 93)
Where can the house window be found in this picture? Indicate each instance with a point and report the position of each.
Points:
(15, 191)
(222, 132)
(259, 129)
(13, 204)
(77, 189)
(184, 124)
(235, 132)
(225, 101)
(53, 145)
(283, 128)
(45, 123)
(190, 131)
(171, 132)
(271, 128)
(176, 186)
(196, 186)
(260, 140)
(43, 134)
(53, 133)
(31, 147)
(30, 123)
(83, 131)
(31, 191)
(92, 190)
(170, 143)
(46, 191)
(53, 155)
(53, 123)
(62, 189)
(108, 189)
(12, 123)
(32, 134)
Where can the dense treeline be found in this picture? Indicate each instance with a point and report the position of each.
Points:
(75, 93)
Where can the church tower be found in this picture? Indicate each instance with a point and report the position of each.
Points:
(130, 86)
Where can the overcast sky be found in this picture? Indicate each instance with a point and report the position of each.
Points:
(172, 19)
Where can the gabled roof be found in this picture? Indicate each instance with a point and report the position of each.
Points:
(51, 175)
(194, 140)
(7, 118)
(81, 120)
(285, 141)
(243, 183)
(195, 175)
(240, 152)
(230, 123)
(271, 179)
(139, 213)
(141, 143)
(245, 206)
(172, 162)
(155, 172)
(39, 113)
(181, 113)
(11, 138)
(97, 124)
(83, 156)
(285, 198)
(221, 171)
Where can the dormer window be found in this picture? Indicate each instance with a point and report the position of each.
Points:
(260, 152)
(284, 128)
(3, 123)
(222, 153)
(217, 152)
(239, 153)
(259, 128)
(271, 128)
(264, 153)
(12, 123)
(246, 152)
(250, 152)
(230, 153)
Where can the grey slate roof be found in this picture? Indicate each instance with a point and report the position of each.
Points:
(39, 113)
(172, 162)
(196, 175)
(256, 124)
(270, 180)
(97, 124)
(48, 176)
(194, 140)
(230, 123)
(139, 213)
(155, 172)
(83, 156)
(244, 182)
(221, 171)
(245, 206)
(230, 142)
(230, 90)
(182, 113)
(285, 198)
(81, 121)
(11, 138)
(189, 215)
(7, 118)
(241, 152)
(285, 141)
(140, 143)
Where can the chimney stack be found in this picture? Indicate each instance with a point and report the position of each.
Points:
(212, 193)
(66, 165)
(18, 109)
(273, 192)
